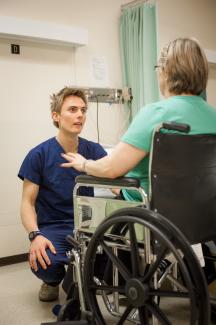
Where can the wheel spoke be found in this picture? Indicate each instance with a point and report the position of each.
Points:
(153, 267)
(143, 316)
(118, 263)
(157, 312)
(167, 293)
(106, 288)
(125, 315)
(134, 250)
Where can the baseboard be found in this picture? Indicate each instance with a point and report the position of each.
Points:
(13, 259)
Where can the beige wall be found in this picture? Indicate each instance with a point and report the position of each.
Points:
(27, 81)
(190, 18)
(100, 18)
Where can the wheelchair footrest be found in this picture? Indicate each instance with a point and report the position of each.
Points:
(70, 322)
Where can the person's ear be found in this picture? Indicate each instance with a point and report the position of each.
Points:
(55, 116)
(164, 74)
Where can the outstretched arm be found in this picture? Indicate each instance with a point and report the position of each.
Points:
(121, 160)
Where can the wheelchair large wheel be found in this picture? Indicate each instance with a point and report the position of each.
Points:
(166, 287)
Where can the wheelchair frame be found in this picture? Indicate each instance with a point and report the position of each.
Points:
(83, 241)
(142, 288)
(80, 236)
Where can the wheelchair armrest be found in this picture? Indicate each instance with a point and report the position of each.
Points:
(173, 126)
(118, 182)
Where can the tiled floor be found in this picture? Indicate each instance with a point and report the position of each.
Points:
(19, 304)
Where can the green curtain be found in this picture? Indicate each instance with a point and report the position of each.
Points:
(138, 42)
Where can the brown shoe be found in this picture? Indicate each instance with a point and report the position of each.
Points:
(48, 293)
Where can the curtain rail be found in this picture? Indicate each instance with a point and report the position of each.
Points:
(133, 3)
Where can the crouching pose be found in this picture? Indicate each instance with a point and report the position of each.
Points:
(47, 204)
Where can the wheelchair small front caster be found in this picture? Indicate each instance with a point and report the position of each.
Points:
(70, 310)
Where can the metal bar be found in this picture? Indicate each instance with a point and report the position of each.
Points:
(76, 264)
(115, 282)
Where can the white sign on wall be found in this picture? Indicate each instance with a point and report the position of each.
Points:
(99, 71)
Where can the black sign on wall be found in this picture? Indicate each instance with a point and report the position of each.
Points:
(15, 49)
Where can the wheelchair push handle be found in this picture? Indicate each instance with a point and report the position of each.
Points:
(173, 126)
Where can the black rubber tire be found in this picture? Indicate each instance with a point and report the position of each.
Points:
(172, 240)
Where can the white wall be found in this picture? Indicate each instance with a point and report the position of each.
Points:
(27, 80)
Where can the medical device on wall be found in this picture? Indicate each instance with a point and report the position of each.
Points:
(108, 95)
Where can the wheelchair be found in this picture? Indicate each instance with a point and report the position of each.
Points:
(135, 262)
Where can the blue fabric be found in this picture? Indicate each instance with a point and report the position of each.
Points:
(54, 203)
(55, 272)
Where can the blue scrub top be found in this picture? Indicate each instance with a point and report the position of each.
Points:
(54, 203)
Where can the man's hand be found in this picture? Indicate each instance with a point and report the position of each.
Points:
(38, 253)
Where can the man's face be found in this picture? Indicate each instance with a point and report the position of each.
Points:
(72, 117)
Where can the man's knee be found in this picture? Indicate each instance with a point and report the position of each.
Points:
(54, 273)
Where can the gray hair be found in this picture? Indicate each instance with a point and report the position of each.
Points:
(185, 66)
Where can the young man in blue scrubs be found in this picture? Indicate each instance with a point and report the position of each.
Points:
(47, 204)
